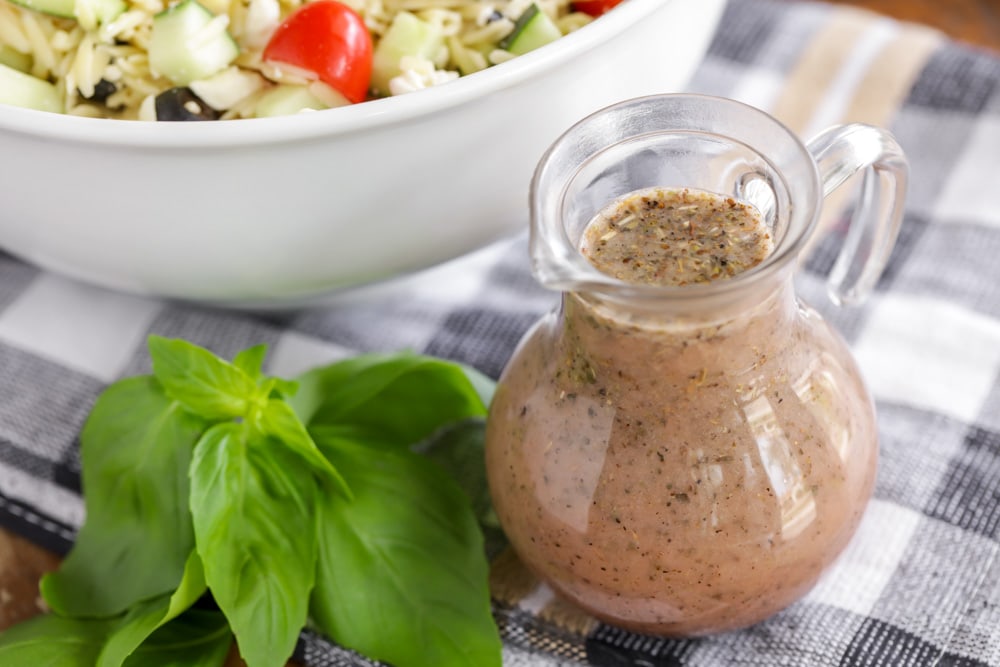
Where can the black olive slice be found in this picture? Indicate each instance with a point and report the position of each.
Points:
(183, 105)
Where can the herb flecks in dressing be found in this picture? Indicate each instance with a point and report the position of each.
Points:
(664, 236)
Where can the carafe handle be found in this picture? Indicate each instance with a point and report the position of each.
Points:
(840, 152)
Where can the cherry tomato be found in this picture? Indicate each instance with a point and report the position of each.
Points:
(594, 7)
(329, 39)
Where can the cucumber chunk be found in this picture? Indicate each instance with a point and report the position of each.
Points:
(532, 29)
(189, 43)
(88, 12)
(407, 35)
(286, 100)
(228, 88)
(23, 90)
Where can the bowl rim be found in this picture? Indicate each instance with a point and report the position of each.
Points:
(355, 118)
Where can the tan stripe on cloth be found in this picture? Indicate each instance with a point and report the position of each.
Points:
(887, 55)
(859, 68)
(514, 585)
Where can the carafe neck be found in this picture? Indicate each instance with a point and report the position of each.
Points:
(616, 336)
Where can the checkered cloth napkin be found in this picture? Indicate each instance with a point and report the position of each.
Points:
(919, 584)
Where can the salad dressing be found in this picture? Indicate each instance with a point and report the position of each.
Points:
(676, 237)
(679, 476)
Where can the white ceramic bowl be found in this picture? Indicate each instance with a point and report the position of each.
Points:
(279, 211)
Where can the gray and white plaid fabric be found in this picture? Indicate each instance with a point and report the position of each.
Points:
(920, 583)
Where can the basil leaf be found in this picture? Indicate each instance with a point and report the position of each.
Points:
(144, 618)
(458, 449)
(400, 398)
(277, 387)
(205, 384)
(251, 360)
(199, 638)
(252, 499)
(136, 449)
(279, 420)
(484, 385)
(53, 641)
(402, 576)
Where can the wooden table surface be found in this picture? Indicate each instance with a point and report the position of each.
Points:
(22, 565)
(975, 21)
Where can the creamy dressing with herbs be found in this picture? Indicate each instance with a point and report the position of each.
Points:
(680, 476)
(665, 236)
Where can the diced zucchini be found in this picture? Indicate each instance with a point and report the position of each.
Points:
(189, 43)
(532, 29)
(23, 90)
(407, 36)
(286, 100)
(92, 12)
(15, 59)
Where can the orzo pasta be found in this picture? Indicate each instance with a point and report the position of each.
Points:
(113, 58)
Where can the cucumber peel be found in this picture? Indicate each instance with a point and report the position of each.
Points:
(532, 29)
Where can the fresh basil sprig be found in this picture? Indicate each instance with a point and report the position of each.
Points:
(284, 503)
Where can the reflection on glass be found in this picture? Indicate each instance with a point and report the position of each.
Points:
(817, 388)
(571, 464)
(795, 498)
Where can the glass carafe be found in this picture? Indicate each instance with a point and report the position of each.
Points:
(686, 460)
